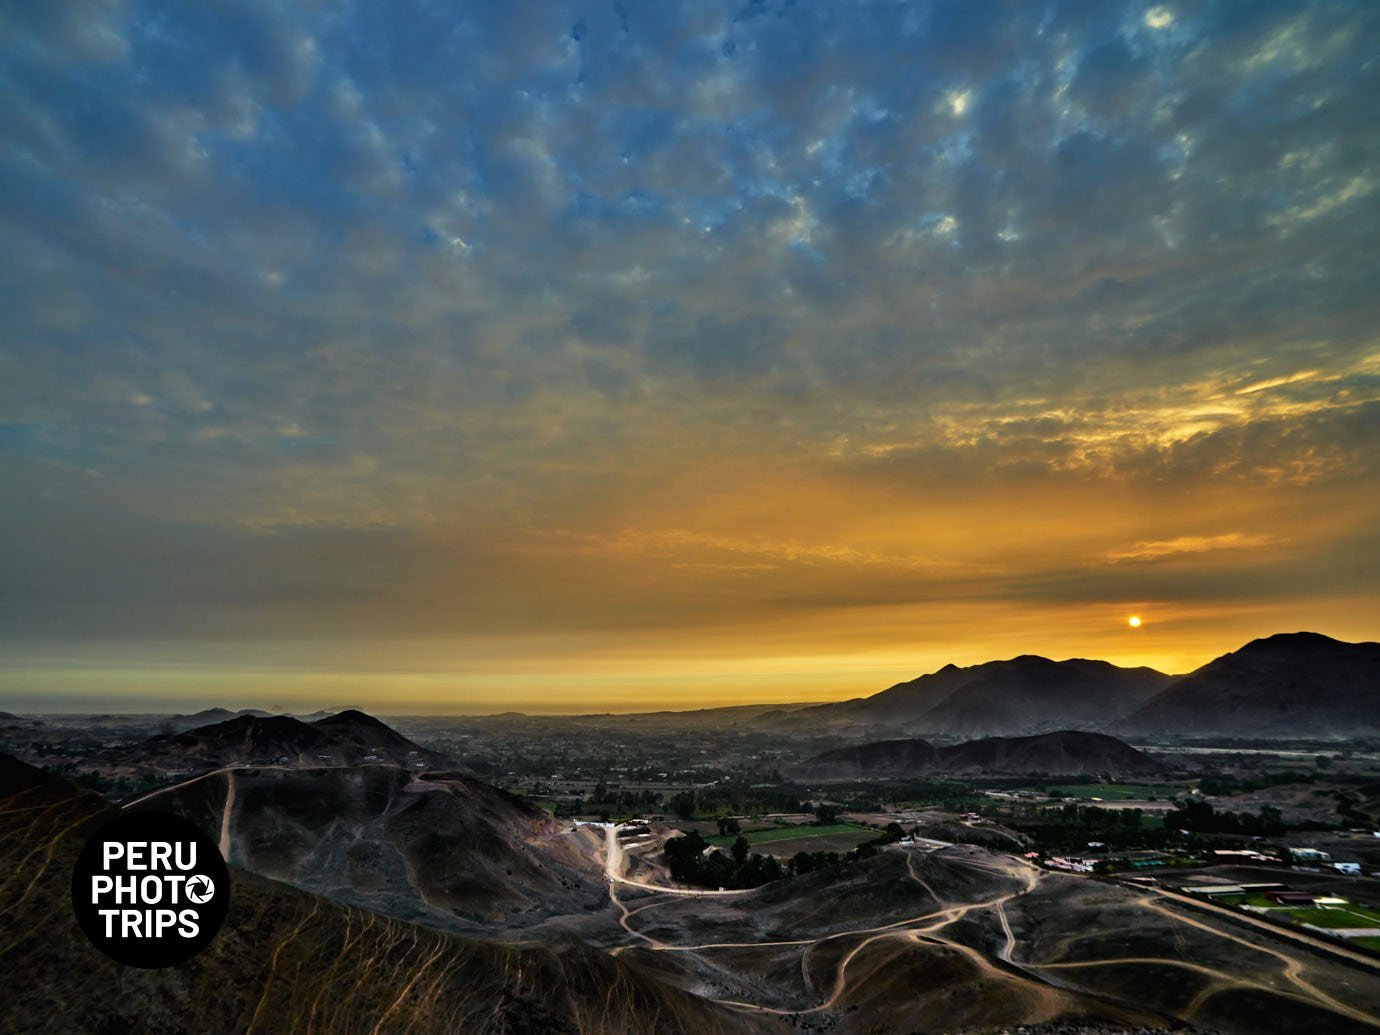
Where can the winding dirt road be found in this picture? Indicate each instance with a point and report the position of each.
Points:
(928, 927)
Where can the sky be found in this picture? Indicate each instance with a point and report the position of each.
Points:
(583, 356)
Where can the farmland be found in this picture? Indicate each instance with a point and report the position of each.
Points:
(832, 837)
(1117, 791)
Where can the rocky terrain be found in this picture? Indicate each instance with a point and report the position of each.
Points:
(442, 849)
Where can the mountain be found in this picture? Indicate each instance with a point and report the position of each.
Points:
(1063, 753)
(208, 716)
(443, 850)
(1020, 695)
(1288, 685)
(348, 738)
(290, 961)
(870, 761)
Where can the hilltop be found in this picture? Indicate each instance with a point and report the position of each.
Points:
(347, 738)
(1288, 685)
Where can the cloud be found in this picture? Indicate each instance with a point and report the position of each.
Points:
(1188, 545)
(523, 270)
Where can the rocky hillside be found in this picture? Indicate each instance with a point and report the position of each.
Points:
(347, 738)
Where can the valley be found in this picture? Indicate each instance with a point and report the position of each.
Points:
(728, 871)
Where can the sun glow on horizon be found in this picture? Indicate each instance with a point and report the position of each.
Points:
(1134, 621)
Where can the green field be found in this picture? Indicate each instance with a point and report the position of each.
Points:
(1370, 943)
(1336, 917)
(1117, 791)
(757, 837)
(710, 829)
(1341, 917)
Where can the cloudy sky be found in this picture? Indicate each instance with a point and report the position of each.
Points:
(566, 356)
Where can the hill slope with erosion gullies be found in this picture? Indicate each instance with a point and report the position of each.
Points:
(441, 849)
(288, 961)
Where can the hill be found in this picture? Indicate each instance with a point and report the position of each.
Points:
(448, 851)
(1288, 685)
(1063, 753)
(289, 961)
(207, 717)
(347, 738)
(1019, 695)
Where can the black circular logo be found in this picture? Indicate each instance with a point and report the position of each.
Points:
(150, 889)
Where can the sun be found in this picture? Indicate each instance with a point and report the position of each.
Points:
(1134, 621)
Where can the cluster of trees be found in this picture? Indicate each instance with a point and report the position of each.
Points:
(1217, 785)
(876, 797)
(1072, 826)
(1199, 817)
(741, 799)
(625, 799)
(690, 862)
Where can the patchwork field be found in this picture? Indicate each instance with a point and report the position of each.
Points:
(1117, 791)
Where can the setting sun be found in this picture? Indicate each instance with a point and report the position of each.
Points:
(1134, 621)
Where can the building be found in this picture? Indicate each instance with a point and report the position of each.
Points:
(1350, 869)
(1071, 864)
(1309, 855)
(1291, 898)
(1214, 890)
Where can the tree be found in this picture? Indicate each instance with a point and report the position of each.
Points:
(740, 850)
(683, 856)
(683, 805)
(826, 814)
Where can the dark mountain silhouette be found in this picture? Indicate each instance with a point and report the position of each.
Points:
(209, 716)
(349, 738)
(863, 761)
(1291, 684)
(1020, 695)
(290, 961)
(1063, 753)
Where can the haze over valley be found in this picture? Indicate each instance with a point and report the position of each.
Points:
(773, 869)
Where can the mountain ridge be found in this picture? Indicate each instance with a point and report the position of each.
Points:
(1287, 684)
(1060, 753)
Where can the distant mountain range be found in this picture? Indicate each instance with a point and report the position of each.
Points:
(1064, 753)
(347, 738)
(1288, 685)
(1022, 695)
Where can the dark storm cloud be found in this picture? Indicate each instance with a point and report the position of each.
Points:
(401, 266)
